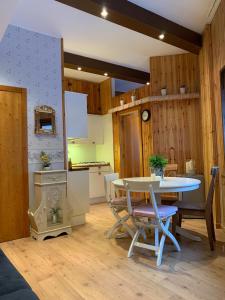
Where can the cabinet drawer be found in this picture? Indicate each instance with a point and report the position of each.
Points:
(50, 178)
(99, 169)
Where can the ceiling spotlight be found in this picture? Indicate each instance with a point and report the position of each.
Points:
(162, 36)
(79, 68)
(105, 74)
(148, 83)
(104, 12)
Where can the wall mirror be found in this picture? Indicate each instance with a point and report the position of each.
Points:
(44, 120)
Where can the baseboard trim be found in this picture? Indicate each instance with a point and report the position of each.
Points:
(97, 200)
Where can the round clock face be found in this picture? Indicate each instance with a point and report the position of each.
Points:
(145, 115)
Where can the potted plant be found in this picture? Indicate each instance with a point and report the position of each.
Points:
(121, 101)
(157, 163)
(183, 89)
(45, 160)
(133, 96)
(163, 91)
(55, 214)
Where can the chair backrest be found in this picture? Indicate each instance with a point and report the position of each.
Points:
(171, 169)
(109, 187)
(140, 187)
(209, 201)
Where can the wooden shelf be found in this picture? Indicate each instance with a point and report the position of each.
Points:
(155, 99)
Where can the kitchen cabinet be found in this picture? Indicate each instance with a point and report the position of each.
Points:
(76, 115)
(92, 89)
(96, 183)
(78, 195)
(95, 129)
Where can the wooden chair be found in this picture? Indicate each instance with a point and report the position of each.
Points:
(118, 206)
(170, 171)
(204, 210)
(170, 198)
(150, 216)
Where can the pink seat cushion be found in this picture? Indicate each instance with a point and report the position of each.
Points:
(122, 201)
(147, 211)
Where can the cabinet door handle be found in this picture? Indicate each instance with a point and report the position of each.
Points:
(99, 173)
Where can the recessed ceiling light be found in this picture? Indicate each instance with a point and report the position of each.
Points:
(104, 12)
(162, 36)
(79, 68)
(148, 83)
(105, 74)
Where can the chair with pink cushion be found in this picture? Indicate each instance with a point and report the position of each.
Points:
(150, 216)
(118, 206)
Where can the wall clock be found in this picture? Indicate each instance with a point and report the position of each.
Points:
(145, 115)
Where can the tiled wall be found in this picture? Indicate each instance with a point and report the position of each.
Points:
(33, 61)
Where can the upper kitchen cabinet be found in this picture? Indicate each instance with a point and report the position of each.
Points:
(76, 115)
(95, 129)
(92, 89)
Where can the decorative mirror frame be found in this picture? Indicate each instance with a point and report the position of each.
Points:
(37, 113)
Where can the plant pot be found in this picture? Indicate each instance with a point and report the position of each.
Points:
(54, 219)
(121, 102)
(158, 172)
(46, 168)
(163, 92)
(183, 90)
(133, 98)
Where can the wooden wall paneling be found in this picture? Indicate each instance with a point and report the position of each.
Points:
(147, 140)
(116, 142)
(173, 71)
(92, 89)
(218, 53)
(140, 93)
(14, 164)
(130, 139)
(106, 95)
(175, 124)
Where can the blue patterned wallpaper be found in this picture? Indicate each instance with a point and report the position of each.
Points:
(33, 61)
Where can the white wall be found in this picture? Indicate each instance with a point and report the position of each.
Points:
(126, 86)
(105, 152)
(33, 61)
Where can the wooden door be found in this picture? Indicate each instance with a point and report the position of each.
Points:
(130, 144)
(13, 164)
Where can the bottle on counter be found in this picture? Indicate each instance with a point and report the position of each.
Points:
(70, 167)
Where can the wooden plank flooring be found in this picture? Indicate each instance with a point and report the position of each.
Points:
(86, 265)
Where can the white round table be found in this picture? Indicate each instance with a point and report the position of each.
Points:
(168, 185)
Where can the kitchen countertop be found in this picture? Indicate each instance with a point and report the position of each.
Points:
(90, 165)
(79, 169)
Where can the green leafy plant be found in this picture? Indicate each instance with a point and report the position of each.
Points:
(45, 159)
(157, 162)
(54, 211)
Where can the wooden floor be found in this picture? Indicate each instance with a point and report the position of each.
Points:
(86, 265)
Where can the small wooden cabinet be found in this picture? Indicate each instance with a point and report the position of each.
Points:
(51, 215)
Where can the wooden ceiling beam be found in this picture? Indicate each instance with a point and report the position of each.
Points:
(129, 15)
(73, 61)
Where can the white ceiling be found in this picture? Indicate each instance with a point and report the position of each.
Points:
(94, 37)
(84, 75)
(88, 35)
(192, 14)
(7, 10)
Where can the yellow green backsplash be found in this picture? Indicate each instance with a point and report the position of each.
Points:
(81, 153)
